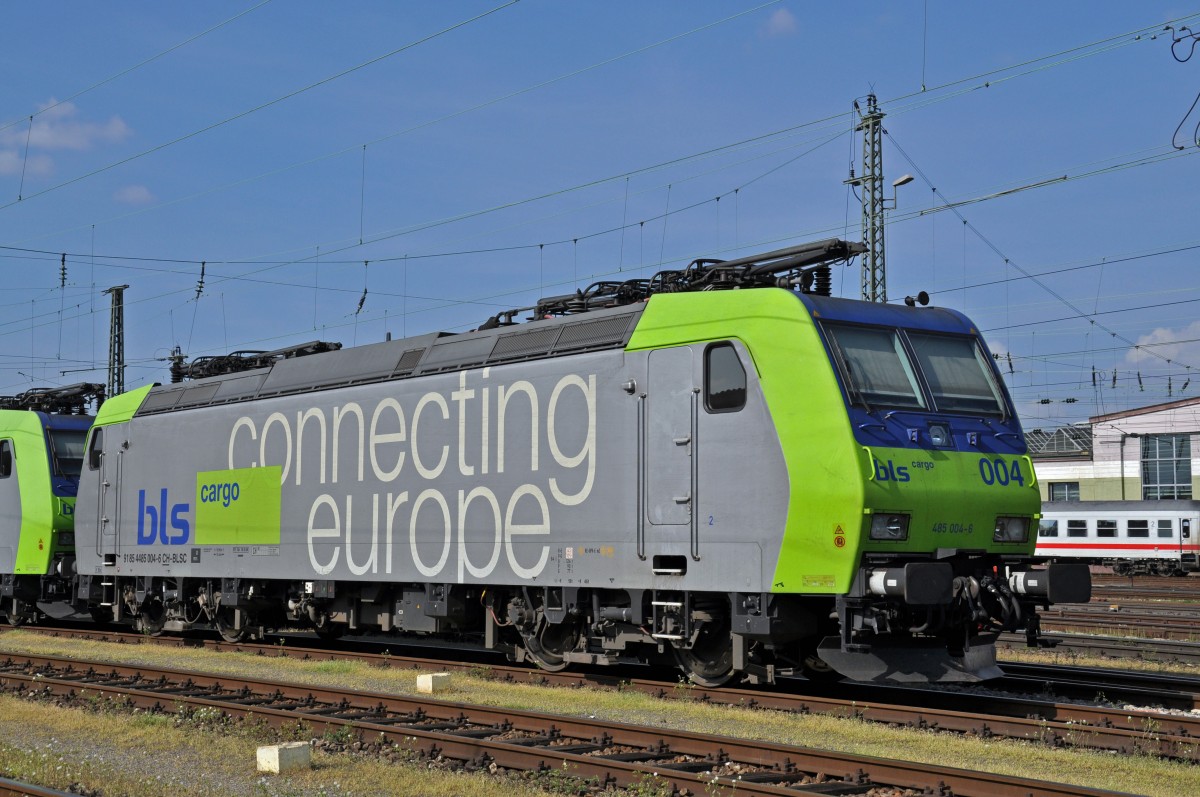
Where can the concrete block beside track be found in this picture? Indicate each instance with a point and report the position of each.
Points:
(276, 758)
(432, 683)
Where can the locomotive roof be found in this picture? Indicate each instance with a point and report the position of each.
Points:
(598, 329)
(402, 359)
(930, 319)
(35, 420)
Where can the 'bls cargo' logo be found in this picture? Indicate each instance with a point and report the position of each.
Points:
(890, 472)
(152, 521)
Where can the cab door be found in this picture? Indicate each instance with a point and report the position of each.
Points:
(104, 457)
(10, 508)
(671, 402)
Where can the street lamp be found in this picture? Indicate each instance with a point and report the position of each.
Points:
(905, 180)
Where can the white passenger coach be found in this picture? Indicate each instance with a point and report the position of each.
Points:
(1132, 537)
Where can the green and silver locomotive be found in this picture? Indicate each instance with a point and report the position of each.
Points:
(42, 434)
(721, 466)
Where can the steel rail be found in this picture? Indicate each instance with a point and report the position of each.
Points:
(613, 753)
(1111, 647)
(1134, 626)
(1032, 718)
(1187, 594)
(14, 788)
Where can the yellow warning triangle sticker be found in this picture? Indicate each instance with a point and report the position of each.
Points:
(838, 529)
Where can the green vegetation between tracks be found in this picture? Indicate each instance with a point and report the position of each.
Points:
(49, 742)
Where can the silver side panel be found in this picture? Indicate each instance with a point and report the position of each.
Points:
(576, 470)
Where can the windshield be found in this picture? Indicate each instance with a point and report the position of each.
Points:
(879, 371)
(957, 374)
(66, 451)
(945, 373)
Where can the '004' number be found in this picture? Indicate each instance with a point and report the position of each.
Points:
(997, 471)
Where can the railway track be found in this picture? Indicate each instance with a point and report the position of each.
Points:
(13, 788)
(1181, 693)
(1175, 623)
(1111, 647)
(1026, 712)
(1113, 593)
(612, 753)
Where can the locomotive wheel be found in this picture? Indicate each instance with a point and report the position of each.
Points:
(547, 649)
(101, 615)
(709, 661)
(17, 613)
(151, 618)
(225, 627)
(330, 631)
(814, 668)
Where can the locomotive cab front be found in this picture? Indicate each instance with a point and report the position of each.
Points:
(40, 458)
(949, 500)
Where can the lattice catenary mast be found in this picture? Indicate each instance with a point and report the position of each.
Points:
(874, 269)
(116, 341)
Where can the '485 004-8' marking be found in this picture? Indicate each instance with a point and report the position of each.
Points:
(998, 471)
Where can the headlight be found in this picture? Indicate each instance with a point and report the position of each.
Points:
(887, 526)
(1011, 529)
(66, 539)
(939, 435)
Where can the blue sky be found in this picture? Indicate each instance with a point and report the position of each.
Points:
(479, 154)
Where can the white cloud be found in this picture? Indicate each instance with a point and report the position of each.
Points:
(1178, 345)
(781, 23)
(134, 195)
(62, 127)
(11, 162)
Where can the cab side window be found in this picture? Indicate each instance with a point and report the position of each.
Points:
(95, 449)
(6, 458)
(724, 379)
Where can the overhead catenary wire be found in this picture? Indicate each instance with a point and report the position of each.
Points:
(411, 129)
(1111, 259)
(564, 241)
(267, 104)
(484, 301)
(640, 224)
(135, 67)
(1185, 34)
(1079, 313)
(994, 77)
(896, 218)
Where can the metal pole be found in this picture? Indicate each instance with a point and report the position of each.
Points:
(116, 341)
(874, 271)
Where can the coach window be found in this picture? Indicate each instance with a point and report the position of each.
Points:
(6, 459)
(724, 379)
(1138, 528)
(95, 449)
(1166, 528)
(1076, 528)
(1047, 528)
(1106, 528)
